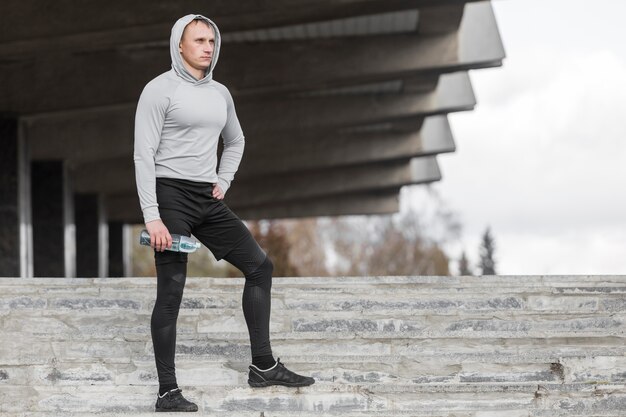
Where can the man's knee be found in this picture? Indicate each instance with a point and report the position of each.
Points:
(268, 267)
(262, 275)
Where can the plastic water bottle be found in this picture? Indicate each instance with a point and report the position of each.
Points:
(179, 243)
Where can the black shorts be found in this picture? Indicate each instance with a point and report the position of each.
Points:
(188, 207)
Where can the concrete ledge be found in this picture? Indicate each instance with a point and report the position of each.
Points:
(332, 398)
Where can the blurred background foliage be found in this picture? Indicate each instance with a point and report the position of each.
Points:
(396, 244)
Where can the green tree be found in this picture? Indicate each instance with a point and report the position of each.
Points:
(464, 268)
(487, 247)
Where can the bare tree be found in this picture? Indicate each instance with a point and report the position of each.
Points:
(406, 243)
(386, 245)
(307, 249)
(272, 237)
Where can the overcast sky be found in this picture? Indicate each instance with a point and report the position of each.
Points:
(542, 158)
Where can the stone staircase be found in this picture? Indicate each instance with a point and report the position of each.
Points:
(508, 346)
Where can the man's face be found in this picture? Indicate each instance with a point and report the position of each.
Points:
(197, 45)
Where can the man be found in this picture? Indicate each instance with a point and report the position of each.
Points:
(180, 117)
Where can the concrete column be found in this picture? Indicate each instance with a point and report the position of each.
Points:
(86, 215)
(127, 249)
(103, 238)
(116, 249)
(15, 209)
(54, 250)
(9, 198)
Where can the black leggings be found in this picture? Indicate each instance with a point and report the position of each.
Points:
(185, 208)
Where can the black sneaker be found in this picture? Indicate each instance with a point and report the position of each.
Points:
(173, 400)
(277, 375)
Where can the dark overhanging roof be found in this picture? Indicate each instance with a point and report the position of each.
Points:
(342, 102)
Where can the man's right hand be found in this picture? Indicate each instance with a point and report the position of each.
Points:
(159, 235)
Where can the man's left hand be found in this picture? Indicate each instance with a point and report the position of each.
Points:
(217, 192)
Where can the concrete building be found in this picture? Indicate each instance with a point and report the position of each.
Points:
(342, 103)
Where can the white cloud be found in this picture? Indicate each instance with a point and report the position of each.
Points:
(542, 158)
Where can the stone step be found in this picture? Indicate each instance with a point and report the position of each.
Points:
(431, 413)
(407, 346)
(108, 322)
(379, 370)
(19, 348)
(250, 413)
(582, 362)
(321, 399)
(487, 284)
(125, 352)
(320, 285)
(214, 373)
(402, 303)
(372, 301)
(222, 323)
(547, 280)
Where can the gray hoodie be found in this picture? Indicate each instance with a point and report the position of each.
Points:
(178, 123)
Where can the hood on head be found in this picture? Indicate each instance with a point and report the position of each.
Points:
(177, 60)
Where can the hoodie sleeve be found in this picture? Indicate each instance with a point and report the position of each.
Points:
(234, 143)
(149, 120)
